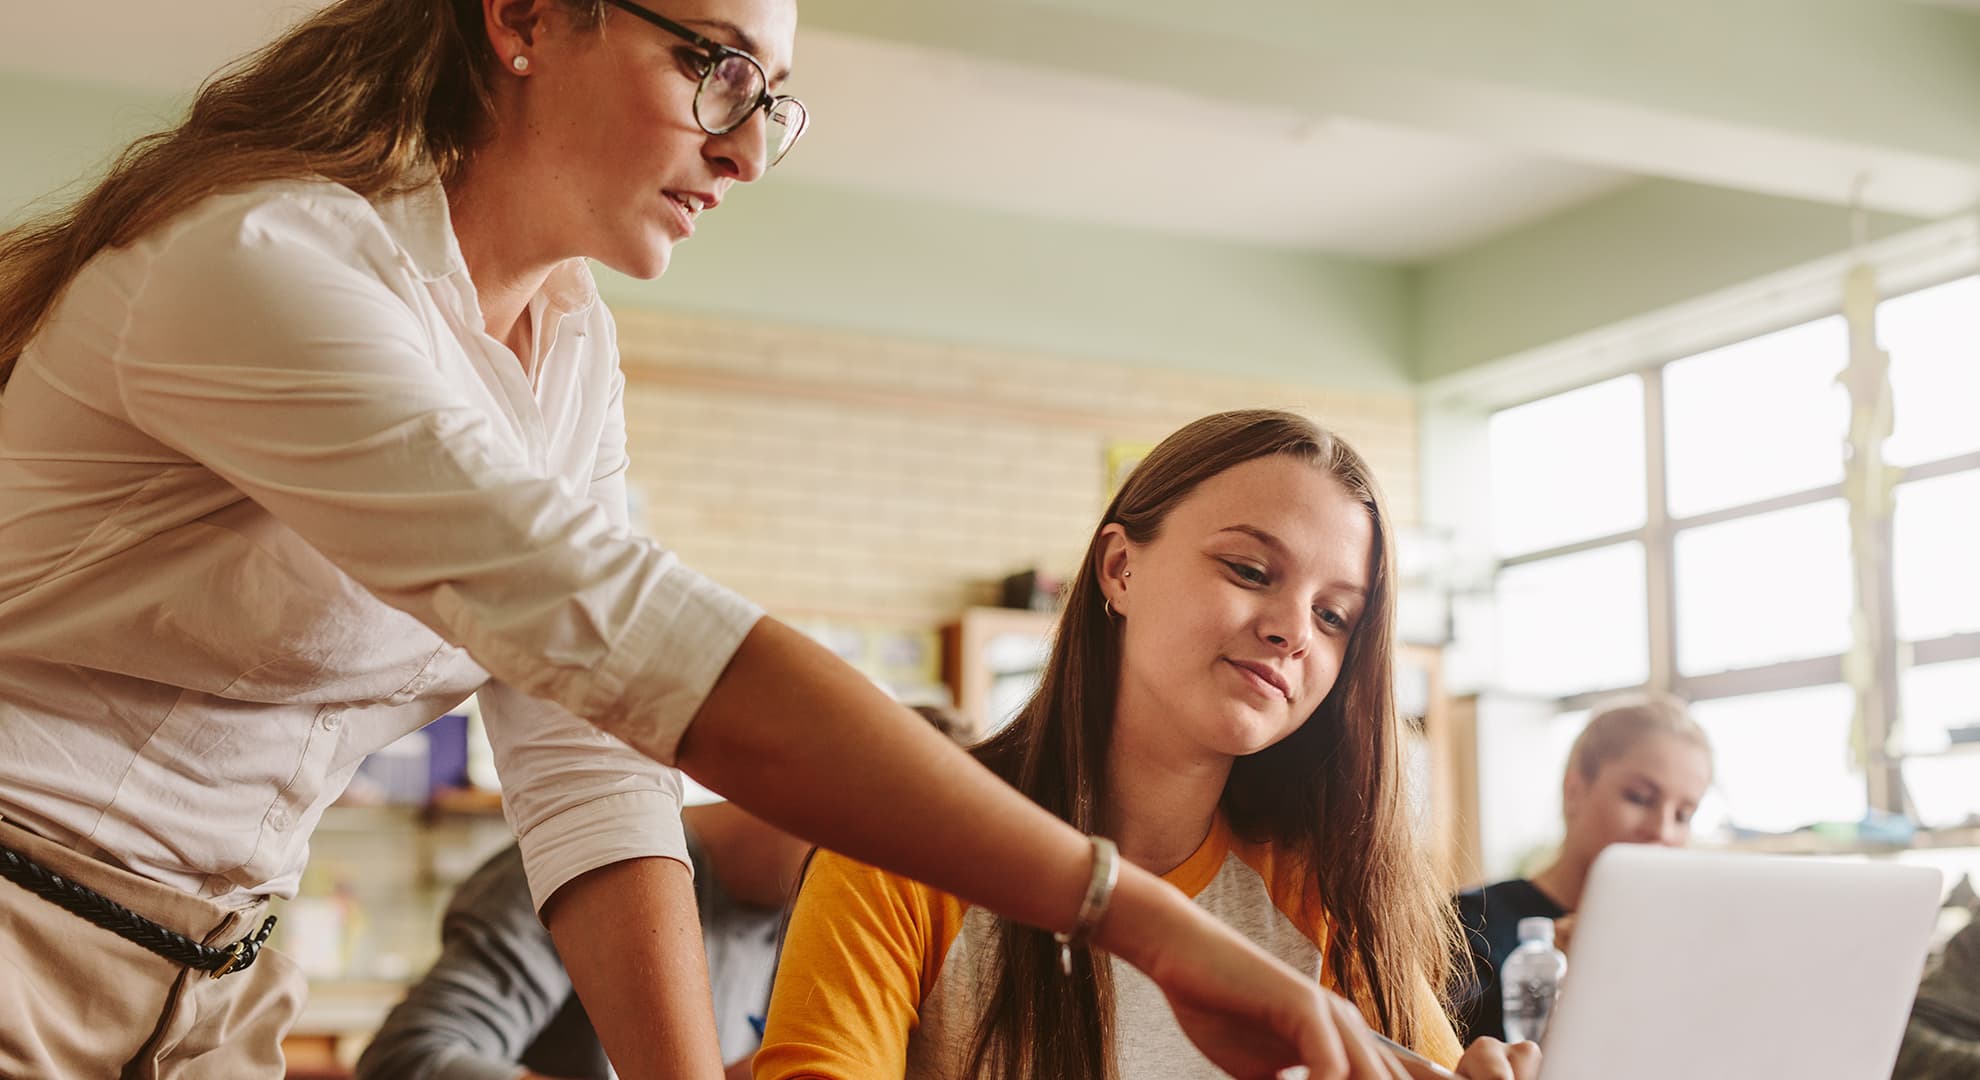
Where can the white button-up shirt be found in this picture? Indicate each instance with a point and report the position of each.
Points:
(271, 498)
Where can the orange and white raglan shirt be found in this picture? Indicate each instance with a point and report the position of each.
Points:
(884, 977)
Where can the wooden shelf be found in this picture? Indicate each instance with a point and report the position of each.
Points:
(967, 664)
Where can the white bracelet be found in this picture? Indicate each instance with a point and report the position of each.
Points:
(1092, 906)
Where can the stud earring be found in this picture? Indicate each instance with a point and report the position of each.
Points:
(520, 63)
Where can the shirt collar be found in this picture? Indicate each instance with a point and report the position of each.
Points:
(570, 287)
(419, 223)
(422, 227)
(1197, 871)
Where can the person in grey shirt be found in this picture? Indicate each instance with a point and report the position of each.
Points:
(497, 1004)
(1942, 1042)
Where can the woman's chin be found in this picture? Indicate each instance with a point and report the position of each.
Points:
(645, 263)
(1247, 732)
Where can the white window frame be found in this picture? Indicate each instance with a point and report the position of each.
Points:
(1456, 485)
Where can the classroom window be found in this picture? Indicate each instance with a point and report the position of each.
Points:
(1782, 759)
(1933, 336)
(1737, 589)
(1763, 589)
(1574, 623)
(1940, 738)
(1934, 536)
(1757, 419)
(1568, 467)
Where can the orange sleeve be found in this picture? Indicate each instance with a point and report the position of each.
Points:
(1439, 1040)
(863, 949)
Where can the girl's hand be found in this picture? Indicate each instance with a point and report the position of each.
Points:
(1490, 1059)
(1564, 932)
(1320, 1037)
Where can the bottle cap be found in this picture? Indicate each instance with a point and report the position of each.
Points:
(1536, 929)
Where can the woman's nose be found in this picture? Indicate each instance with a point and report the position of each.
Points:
(1673, 833)
(1290, 633)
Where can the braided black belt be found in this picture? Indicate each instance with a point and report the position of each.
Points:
(87, 903)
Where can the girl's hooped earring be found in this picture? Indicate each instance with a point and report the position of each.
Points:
(1107, 602)
(520, 63)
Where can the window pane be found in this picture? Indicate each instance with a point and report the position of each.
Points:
(1522, 753)
(1932, 556)
(1945, 790)
(1574, 623)
(1782, 760)
(1933, 336)
(1762, 589)
(1941, 704)
(1761, 418)
(1939, 699)
(1569, 467)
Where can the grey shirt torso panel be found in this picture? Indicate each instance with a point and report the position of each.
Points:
(1949, 998)
(498, 997)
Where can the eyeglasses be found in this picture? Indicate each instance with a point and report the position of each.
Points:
(733, 86)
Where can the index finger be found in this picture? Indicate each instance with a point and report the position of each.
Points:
(1366, 1058)
(1318, 1038)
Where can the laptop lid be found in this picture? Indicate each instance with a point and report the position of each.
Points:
(1709, 966)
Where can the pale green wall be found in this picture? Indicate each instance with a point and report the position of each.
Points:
(53, 134)
(1646, 247)
(847, 259)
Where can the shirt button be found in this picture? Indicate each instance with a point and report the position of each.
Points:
(279, 820)
(332, 721)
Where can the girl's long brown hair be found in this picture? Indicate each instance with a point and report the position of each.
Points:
(375, 95)
(1330, 796)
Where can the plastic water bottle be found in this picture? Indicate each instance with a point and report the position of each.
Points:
(1530, 981)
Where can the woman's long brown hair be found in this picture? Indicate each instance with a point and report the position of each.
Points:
(1330, 796)
(375, 95)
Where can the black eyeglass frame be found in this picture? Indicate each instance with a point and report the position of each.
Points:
(716, 52)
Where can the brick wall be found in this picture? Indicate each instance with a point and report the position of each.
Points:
(832, 475)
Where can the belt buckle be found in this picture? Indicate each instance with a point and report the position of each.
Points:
(235, 952)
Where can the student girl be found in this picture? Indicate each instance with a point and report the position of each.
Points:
(1635, 776)
(1219, 705)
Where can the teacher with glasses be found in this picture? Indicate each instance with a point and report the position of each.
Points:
(312, 426)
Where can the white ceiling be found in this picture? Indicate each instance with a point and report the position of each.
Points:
(925, 124)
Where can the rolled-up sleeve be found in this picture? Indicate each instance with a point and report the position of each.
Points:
(577, 797)
(262, 346)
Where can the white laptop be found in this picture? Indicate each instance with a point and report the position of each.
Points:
(1703, 966)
